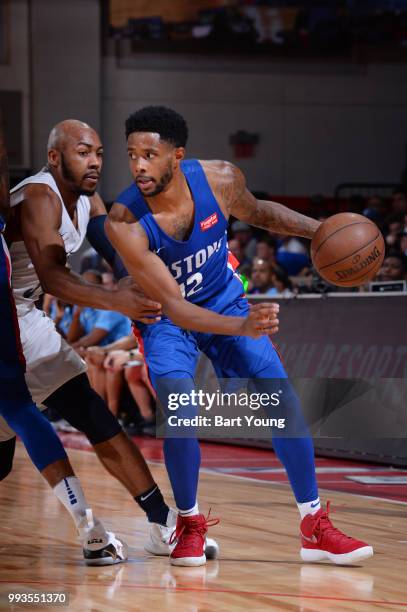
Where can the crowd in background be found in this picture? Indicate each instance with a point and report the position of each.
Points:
(269, 265)
(105, 340)
(274, 27)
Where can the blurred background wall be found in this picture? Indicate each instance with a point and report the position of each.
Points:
(53, 62)
(319, 123)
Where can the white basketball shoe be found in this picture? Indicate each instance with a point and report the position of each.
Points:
(160, 535)
(100, 547)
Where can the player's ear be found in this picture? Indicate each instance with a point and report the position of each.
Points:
(53, 158)
(179, 154)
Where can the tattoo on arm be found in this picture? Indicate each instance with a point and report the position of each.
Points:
(268, 215)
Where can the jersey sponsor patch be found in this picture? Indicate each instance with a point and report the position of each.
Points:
(209, 222)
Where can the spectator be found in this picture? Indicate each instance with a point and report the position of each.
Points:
(291, 244)
(375, 209)
(61, 313)
(236, 249)
(262, 278)
(266, 249)
(131, 364)
(91, 260)
(399, 203)
(91, 326)
(282, 283)
(244, 235)
(403, 243)
(108, 279)
(393, 268)
(112, 364)
(394, 228)
(292, 255)
(294, 264)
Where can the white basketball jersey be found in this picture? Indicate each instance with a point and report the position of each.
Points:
(26, 284)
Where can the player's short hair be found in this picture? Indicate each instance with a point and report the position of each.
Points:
(170, 125)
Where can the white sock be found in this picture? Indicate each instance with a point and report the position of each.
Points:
(191, 512)
(311, 507)
(70, 494)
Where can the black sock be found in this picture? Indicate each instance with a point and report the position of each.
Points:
(153, 504)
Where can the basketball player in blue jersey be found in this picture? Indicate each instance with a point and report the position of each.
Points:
(170, 227)
(100, 547)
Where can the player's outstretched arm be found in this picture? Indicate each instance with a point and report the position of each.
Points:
(95, 233)
(229, 185)
(4, 179)
(40, 222)
(151, 274)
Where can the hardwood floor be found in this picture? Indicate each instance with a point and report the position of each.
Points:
(259, 566)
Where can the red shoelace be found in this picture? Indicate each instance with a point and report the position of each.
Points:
(195, 527)
(323, 527)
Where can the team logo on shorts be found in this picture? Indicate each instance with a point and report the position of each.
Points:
(209, 222)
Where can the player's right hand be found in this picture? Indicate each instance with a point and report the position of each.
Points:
(134, 304)
(261, 321)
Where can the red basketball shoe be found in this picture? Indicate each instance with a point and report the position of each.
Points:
(189, 536)
(321, 541)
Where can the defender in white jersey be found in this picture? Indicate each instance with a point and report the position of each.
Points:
(48, 222)
(51, 213)
(50, 360)
(100, 547)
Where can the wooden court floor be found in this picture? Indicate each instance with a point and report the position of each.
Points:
(258, 569)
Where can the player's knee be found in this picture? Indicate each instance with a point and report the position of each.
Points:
(7, 450)
(83, 408)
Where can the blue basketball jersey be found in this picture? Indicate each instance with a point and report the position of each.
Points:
(201, 265)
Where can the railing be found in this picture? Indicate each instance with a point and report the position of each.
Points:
(346, 355)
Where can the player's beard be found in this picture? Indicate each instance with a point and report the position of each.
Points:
(162, 183)
(69, 176)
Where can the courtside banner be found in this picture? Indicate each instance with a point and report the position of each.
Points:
(357, 336)
(347, 361)
(264, 408)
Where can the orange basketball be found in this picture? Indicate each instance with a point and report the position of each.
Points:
(347, 250)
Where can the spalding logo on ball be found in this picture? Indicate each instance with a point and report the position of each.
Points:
(347, 250)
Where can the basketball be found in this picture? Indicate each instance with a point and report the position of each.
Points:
(347, 250)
